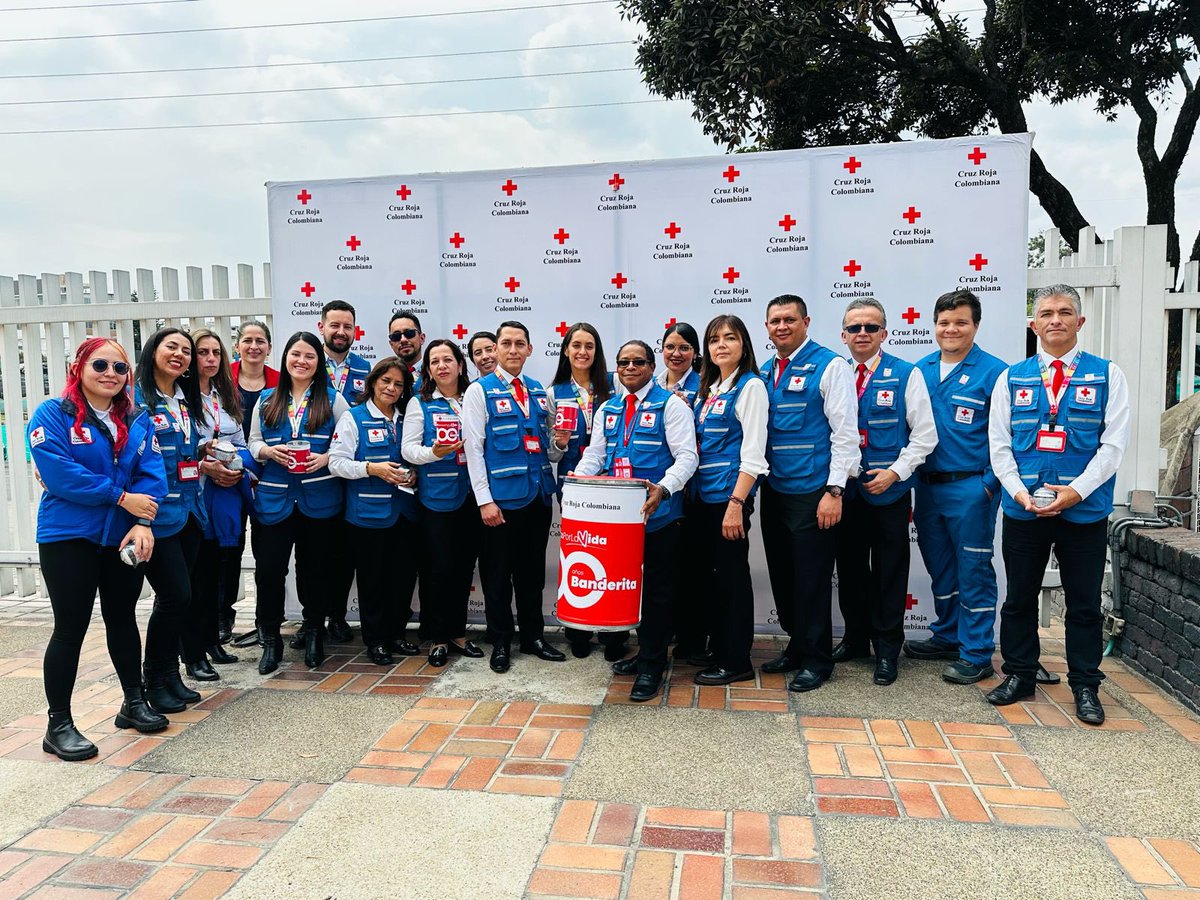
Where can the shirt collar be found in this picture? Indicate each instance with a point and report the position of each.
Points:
(872, 363)
(791, 356)
(1068, 358)
(378, 413)
(644, 390)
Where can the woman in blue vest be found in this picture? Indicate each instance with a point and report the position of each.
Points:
(103, 476)
(381, 511)
(167, 386)
(681, 361)
(731, 431)
(449, 514)
(296, 496)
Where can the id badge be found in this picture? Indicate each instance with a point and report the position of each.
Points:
(532, 444)
(862, 438)
(461, 457)
(622, 468)
(1052, 439)
(189, 470)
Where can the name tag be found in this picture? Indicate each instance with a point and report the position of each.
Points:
(1052, 439)
(503, 405)
(189, 470)
(862, 437)
(622, 468)
(885, 398)
(376, 435)
(887, 373)
(461, 457)
(964, 414)
(1085, 396)
(796, 382)
(963, 379)
(647, 420)
(83, 436)
(532, 444)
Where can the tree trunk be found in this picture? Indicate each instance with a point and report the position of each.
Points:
(1057, 201)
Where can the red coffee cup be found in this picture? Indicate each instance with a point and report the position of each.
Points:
(566, 416)
(300, 451)
(446, 429)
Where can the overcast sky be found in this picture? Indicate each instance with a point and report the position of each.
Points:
(195, 196)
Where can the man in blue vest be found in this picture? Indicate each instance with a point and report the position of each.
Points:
(1060, 421)
(957, 494)
(509, 450)
(896, 433)
(812, 448)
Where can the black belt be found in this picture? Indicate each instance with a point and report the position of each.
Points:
(945, 477)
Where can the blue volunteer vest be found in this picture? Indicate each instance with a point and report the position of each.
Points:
(883, 416)
(799, 439)
(581, 437)
(516, 477)
(961, 405)
(719, 440)
(183, 498)
(357, 370)
(442, 485)
(318, 494)
(647, 450)
(371, 502)
(1082, 412)
(687, 388)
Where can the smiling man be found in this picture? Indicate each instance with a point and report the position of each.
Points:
(407, 339)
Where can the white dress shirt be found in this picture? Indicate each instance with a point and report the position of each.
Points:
(1113, 440)
(918, 413)
(474, 423)
(412, 442)
(751, 410)
(680, 428)
(345, 443)
(340, 406)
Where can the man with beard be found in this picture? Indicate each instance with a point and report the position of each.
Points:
(407, 339)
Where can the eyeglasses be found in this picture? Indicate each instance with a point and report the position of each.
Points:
(632, 363)
(100, 366)
(409, 333)
(869, 328)
(679, 348)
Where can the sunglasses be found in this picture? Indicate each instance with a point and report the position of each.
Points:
(869, 328)
(100, 366)
(632, 363)
(409, 333)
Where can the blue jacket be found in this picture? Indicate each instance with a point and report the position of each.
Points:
(516, 476)
(443, 485)
(227, 506)
(371, 502)
(183, 498)
(799, 438)
(962, 403)
(356, 377)
(647, 450)
(317, 494)
(719, 440)
(883, 424)
(83, 481)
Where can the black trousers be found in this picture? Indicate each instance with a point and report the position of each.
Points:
(73, 571)
(231, 578)
(512, 560)
(660, 586)
(1081, 550)
(341, 570)
(452, 539)
(873, 555)
(696, 607)
(800, 565)
(272, 548)
(215, 579)
(169, 572)
(725, 576)
(385, 561)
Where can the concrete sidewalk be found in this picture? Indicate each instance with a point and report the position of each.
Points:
(358, 781)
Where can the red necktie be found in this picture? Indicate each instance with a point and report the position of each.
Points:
(1056, 383)
(862, 378)
(783, 364)
(631, 402)
(519, 391)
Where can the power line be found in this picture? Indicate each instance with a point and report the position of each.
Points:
(90, 5)
(437, 15)
(469, 112)
(320, 62)
(309, 90)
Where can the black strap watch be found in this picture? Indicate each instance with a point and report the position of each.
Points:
(834, 490)
(666, 491)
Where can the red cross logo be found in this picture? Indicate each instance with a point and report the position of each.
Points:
(911, 215)
(852, 164)
(731, 274)
(852, 268)
(730, 174)
(460, 331)
(308, 289)
(672, 231)
(561, 236)
(408, 287)
(359, 334)
(1023, 395)
(512, 284)
(910, 315)
(978, 262)
(616, 181)
(1085, 392)
(619, 280)
(669, 324)
(354, 243)
(562, 329)
(787, 222)
(403, 192)
(977, 156)
(458, 240)
(304, 196)
(509, 187)
(909, 602)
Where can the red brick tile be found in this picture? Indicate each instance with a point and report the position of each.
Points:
(574, 856)
(989, 745)
(225, 787)
(823, 759)
(851, 787)
(166, 842)
(961, 803)
(219, 699)
(776, 872)
(888, 733)
(915, 772)
(683, 839)
(476, 774)
(399, 735)
(566, 709)
(862, 762)
(977, 730)
(486, 733)
(1182, 857)
(533, 743)
(61, 892)
(133, 835)
(484, 713)
(517, 714)
(529, 787)
(32, 874)
(59, 840)
(679, 696)
(135, 751)
(1016, 714)
(918, 800)
(91, 818)
(1137, 860)
(259, 800)
(743, 892)
(796, 837)
(152, 791)
(925, 734)
(226, 856)
(1022, 797)
(835, 736)
(395, 777)
(164, 883)
(574, 821)
(653, 874)
(10, 859)
(767, 706)
(712, 697)
(444, 703)
(246, 831)
(441, 771)
(1166, 894)
(1023, 771)
(751, 833)
(696, 818)
(566, 745)
(559, 883)
(296, 802)
(541, 770)
(360, 684)
(105, 873)
(559, 722)
(867, 806)
(210, 886)
(196, 805)
(918, 755)
(703, 877)
(826, 722)
(396, 759)
(617, 821)
(109, 794)
(982, 768)
(497, 749)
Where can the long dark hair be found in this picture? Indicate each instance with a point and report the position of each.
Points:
(598, 373)
(688, 333)
(710, 374)
(188, 381)
(378, 371)
(428, 386)
(122, 403)
(320, 410)
(231, 397)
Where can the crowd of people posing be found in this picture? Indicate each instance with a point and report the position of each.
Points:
(407, 474)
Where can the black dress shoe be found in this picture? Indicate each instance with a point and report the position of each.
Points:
(581, 649)
(225, 631)
(615, 652)
(704, 659)
(781, 663)
(136, 713)
(405, 648)
(645, 687)
(542, 650)
(272, 653)
(296, 642)
(807, 680)
(931, 648)
(844, 651)
(439, 656)
(625, 666)
(719, 675)
(885, 670)
(1087, 706)
(467, 649)
(500, 660)
(201, 671)
(64, 740)
(380, 655)
(339, 631)
(314, 648)
(1045, 676)
(220, 655)
(1011, 689)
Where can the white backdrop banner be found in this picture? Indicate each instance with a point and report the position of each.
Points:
(632, 247)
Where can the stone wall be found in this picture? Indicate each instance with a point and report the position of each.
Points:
(1160, 582)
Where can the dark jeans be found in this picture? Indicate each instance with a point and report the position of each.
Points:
(512, 560)
(73, 571)
(1081, 550)
(272, 547)
(453, 540)
(169, 572)
(725, 574)
(387, 571)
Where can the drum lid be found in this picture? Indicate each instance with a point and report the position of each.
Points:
(606, 481)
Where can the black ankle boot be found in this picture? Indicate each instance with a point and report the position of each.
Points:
(225, 630)
(272, 653)
(220, 655)
(314, 648)
(160, 697)
(175, 685)
(136, 713)
(201, 671)
(64, 740)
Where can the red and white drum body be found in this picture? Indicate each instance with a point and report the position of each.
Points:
(600, 553)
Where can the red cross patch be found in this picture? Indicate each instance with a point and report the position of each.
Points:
(376, 435)
(503, 405)
(359, 384)
(162, 422)
(37, 436)
(1023, 397)
(610, 422)
(885, 398)
(647, 420)
(1085, 396)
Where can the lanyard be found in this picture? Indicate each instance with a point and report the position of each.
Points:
(216, 402)
(1048, 381)
(524, 406)
(867, 375)
(584, 396)
(338, 381)
(183, 423)
(296, 414)
(628, 426)
(708, 402)
(455, 404)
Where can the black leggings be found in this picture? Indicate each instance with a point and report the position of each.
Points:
(214, 589)
(451, 548)
(387, 572)
(169, 572)
(73, 571)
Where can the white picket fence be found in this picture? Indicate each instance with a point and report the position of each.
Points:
(1124, 282)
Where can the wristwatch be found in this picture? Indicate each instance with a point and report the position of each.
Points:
(834, 490)
(666, 492)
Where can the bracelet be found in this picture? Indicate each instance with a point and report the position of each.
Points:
(145, 522)
(738, 500)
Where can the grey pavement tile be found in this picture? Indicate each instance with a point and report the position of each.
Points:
(574, 681)
(369, 841)
(919, 693)
(31, 792)
(21, 697)
(707, 759)
(1135, 782)
(15, 638)
(287, 736)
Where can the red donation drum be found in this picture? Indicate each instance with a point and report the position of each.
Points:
(600, 553)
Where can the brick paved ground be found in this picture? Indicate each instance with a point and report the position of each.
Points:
(944, 783)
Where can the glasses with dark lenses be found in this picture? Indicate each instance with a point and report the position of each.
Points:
(869, 328)
(632, 363)
(409, 333)
(100, 366)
